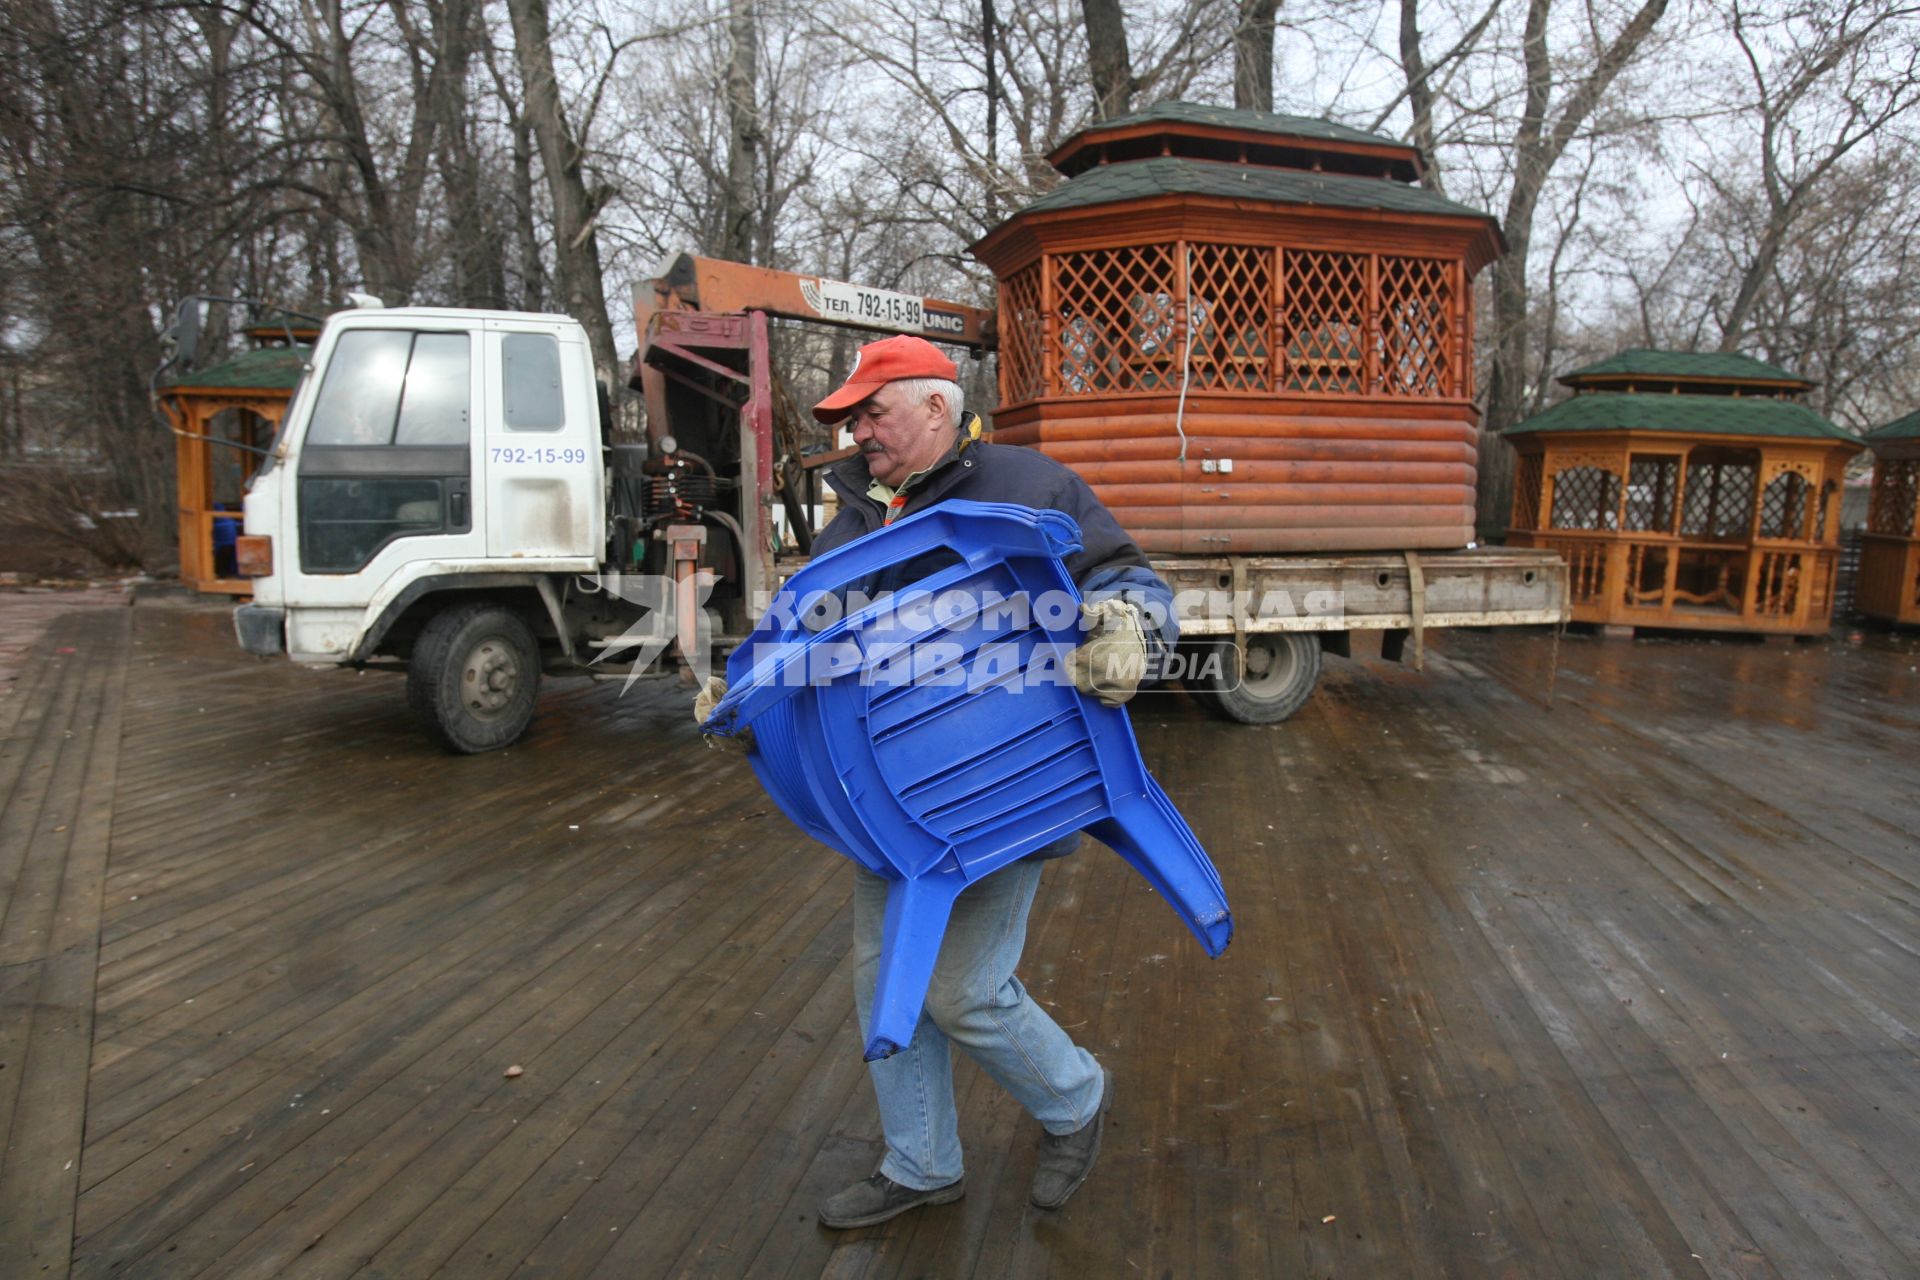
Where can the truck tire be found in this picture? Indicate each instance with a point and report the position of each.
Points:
(1280, 671)
(1193, 653)
(473, 677)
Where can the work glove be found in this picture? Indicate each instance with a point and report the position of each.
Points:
(1112, 661)
(703, 704)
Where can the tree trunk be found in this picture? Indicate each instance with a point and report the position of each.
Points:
(989, 24)
(1253, 55)
(533, 268)
(1108, 61)
(479, 270)
(1419, 92)
(530, 267)
(743, 133)
(576, 248)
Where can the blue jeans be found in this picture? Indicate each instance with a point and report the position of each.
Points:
(974, 1001)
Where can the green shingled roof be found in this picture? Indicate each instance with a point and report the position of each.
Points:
(1679, 366)
(1907, 428)
(270, 369)
(1232, 118)
(1681, 414)
(1173, 175)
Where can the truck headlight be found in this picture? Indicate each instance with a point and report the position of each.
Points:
(253, 555)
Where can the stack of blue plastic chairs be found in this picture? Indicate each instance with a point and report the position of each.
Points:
(933, 735)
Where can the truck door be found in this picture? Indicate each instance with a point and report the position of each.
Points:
(542, 442)
(390, 462)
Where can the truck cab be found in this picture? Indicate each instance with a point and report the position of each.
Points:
(437, 470)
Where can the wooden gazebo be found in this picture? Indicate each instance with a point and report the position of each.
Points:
(1889, 585)
(238, 402)
(1686, 490)
(1248, 331)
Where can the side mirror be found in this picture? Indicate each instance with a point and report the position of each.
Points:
(182, 338)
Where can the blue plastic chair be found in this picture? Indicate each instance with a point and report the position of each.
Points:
(934, 736)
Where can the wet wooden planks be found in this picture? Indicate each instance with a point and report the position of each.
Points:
(58, 762)
(1624, 986)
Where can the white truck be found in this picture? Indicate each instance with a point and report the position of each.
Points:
(444, 496)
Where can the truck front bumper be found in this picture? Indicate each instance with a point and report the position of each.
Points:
(260, 630)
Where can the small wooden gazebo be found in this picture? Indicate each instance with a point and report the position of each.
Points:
(1889, 585)
(1686, 490)
(238, 402)
(1248, 331)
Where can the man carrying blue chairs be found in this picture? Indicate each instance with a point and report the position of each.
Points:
(902, 403)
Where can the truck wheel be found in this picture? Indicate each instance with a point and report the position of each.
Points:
(1279, 674)
(1193, 656)
(473, 677)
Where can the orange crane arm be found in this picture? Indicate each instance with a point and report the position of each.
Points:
(715, 286)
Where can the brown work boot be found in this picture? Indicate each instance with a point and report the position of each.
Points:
(873, 1200)
(1067, 1158)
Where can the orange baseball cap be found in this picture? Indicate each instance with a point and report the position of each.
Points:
(878, 363)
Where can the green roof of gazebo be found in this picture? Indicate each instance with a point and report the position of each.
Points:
(1907, 428)
(1685, 366)
(1176, 175)
(268, 369)
(1274, 122)
(1265, 139)
(1681, 414)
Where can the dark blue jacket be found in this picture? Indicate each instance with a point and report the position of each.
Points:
(1109, 563)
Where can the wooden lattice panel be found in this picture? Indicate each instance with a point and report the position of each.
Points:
(1529, 472)
(1022, 337)
(1231, 292)
(1719, 499)
(1896, 492)
(1586, 498)
(1651, 483)
(1325, 301)
(1784, 507)
(1416, 327)
(1116, 318)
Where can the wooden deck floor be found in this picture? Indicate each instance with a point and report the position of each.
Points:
(1628, 986)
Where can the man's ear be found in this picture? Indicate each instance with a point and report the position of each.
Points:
(937, 406)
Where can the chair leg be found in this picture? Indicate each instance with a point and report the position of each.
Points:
(1149, 833)
(916, 924)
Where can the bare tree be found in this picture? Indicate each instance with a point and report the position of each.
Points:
(1425, 80)
(1548, 125)
(1828, 75)
(94, 203)
(738, 203)
(576, 208)
(1108, 59)
(1253, 54)
(529, 261)
(476, 239)
(1840, 302)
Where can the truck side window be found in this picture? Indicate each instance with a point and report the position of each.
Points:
(530, 382)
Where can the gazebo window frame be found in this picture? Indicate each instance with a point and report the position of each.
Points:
(1237, 322)
(1894, 507)
(1718, 493)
